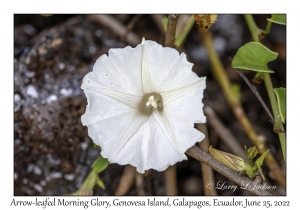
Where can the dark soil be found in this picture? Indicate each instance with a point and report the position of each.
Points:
(52, 151)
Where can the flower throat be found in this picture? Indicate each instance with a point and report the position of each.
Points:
(151, 102)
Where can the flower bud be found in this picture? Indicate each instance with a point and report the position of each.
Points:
(234, 162)
(251, 154)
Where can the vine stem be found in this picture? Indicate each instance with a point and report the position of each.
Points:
(185, 31)
(223, 80)
(268, 28)
(269, 86)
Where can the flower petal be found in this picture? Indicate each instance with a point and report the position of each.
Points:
(146, 78)
(128, 99)
(178, 93)
(113, 75)
(129, 62)
(101, 107)
(189, 106)
(134, 125)
(149, 148)
(165, 125)
(185, 134)
(107, 132)
(167, 69)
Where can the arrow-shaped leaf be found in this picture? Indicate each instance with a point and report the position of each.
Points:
(279, 19)
(254, 56)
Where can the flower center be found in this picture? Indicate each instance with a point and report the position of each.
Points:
(151, 102)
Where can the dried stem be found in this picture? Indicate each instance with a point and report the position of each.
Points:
(171, 180)
(171, 31)
(126, 180)
(184, 32)
(130, 26)
(243, 181)
(207, 172)
(139, 180)
(158, 21)
(117, 27)
(222, 78)
(224, 133)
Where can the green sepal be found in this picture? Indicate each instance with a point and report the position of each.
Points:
(95, 146)
(249, 171)
(100, 184)
(100, 164)
(251, 154)
(258, 164)
(260, 160)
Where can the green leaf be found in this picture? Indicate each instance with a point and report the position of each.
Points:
(88, 183)
(279, 19)
(100, 164)
(165, 22)
(254, 56)
(281, 101)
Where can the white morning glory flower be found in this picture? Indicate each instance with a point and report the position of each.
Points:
(142, 106)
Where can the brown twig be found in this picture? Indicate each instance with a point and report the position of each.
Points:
(139, 179)
(243, 181)
(181, 23)
(256, 93)
(126, 180)
(224, 133)
(171, 181)
(207, 172)
(158, 21)
(237, 109)
(171, 31)
(130, 26)
(117, 27)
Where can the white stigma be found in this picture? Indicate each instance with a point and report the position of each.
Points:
(152, 102)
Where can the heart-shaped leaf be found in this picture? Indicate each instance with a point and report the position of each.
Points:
(254, 56)
(281, 101)
(279, 19)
